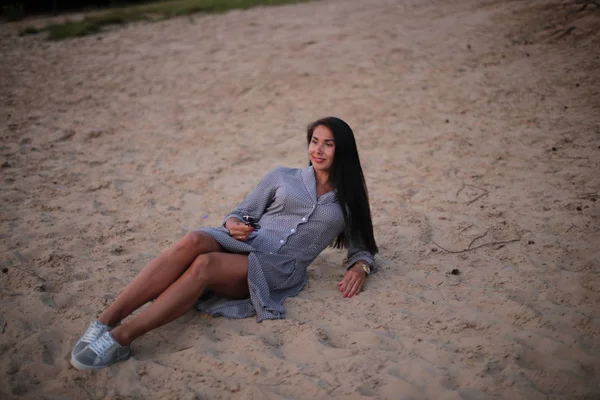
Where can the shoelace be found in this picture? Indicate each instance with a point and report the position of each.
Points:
(102, 344)
(93, 332)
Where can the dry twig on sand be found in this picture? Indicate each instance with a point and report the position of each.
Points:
(476, 247)
(29, 272)
(571, 227)
(566, 32)
(574, 158)
(477, 198)
(587, 3)
(477, 238)
(485, 192)
(464, 229)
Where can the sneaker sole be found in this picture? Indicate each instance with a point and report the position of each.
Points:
(83, 367)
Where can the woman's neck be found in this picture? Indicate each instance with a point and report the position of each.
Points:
(322, 178)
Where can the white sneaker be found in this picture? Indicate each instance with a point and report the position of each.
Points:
(94, 331)
(102, 353)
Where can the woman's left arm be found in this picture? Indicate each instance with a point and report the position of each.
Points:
(360, 261)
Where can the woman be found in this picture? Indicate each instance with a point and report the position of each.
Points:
(239, 270)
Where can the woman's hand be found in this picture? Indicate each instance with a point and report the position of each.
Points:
(238, 230)
(353, 281)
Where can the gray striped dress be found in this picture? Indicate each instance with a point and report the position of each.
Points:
(295, 227)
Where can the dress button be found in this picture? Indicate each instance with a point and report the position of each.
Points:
(292, 230)
(282, 241)
(303, 218)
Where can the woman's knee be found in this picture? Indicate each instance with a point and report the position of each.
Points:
(192, 241)
(201, 267)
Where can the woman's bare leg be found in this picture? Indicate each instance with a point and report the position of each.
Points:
(158, 275)
(223, 272)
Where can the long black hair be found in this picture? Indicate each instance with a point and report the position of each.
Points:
(346, 177)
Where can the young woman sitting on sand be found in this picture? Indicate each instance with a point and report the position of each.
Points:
(239, 270)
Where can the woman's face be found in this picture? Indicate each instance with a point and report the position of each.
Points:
(321, 149)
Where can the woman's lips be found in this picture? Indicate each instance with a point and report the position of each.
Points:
(318, 160)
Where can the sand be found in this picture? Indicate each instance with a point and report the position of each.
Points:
(478, 124)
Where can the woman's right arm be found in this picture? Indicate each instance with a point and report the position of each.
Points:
(258, 200)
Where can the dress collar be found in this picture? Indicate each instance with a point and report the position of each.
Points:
(310, 182)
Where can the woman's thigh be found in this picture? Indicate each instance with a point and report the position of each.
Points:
(227, 274)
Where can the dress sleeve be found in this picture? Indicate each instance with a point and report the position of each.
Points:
(259, 199)
(357, 252)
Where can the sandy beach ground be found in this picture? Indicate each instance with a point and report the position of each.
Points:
(478, 124)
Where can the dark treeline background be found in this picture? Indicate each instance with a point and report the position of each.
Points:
(28, 7)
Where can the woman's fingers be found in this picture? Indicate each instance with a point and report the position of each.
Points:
(241, 231)
(246, 229)
(238, 236)
(350, 286)
(356, 287)
(344, 283)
